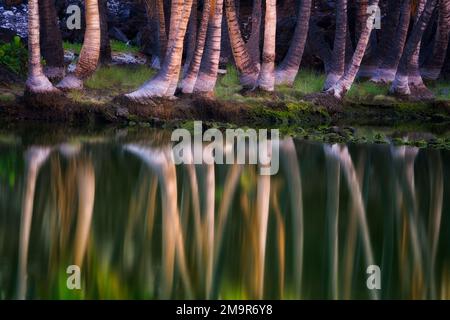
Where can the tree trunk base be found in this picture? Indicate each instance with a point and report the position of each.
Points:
(70, 82)
(55, 73)
(430, 74)
(384, 76)
(39, 85)
(285, 76)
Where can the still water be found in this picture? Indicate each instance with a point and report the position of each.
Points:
(140, 227)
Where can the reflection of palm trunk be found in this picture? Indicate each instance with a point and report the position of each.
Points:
(436, 203)
(86, 197)
(35, 158)
(333, 182)
(296, 201)
(350, 173)
(172, 244)
(262, 211)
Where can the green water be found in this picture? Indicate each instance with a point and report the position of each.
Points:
(141, 231)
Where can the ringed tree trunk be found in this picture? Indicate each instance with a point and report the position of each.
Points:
(165, 82)
(432, 68)
(288, 69)
(105, 46)
(337, 67)
(191, 38)
(344, 84)
(415, 78)
(400, 85)
(253, 43)
(162, 28)
(390, 61)
(266, 80)
(90, 51)
(36, 82)
(207, 76)
(190, 79)
(246, 65)
(52, 45)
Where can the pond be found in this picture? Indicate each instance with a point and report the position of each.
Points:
(140, 227)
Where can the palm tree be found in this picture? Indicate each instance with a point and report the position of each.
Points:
(254, 40)
(52, 46)
(105, 46)
(266, 80)
(401, 82)
(190, 79)
(337, 66)
(288, 69)
(207, 76)
(391, 47)
(246, 65)
(432, 68)
(165, 82)
(344, 83)
(36, 82)
(90, 51)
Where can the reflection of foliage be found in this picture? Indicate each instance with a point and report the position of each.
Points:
(14, 56)
(8, 169)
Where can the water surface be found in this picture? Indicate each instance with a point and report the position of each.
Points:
(140, 227)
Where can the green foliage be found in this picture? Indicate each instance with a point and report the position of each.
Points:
(119, 46)
(14, 56)
(228, 85)
(366, 89)
(309, 81)
(116, 46)
(122, 77)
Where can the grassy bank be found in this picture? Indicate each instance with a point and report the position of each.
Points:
(295, 110)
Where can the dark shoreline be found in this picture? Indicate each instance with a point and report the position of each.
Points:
(315, 117)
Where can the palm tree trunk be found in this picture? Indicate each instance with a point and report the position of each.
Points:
(162, 28)
(245, 64)
(207, 76)
(266, 80)
(389, 64)
(432, 68)
(288, 69)
(37, 82)
(337, 67)
(190, 79)
(344, 84)
(401, 82)
(52, 47)
(191, 38)
(253, 43)
(165, 82)
(415, 78)
(90, 51)
(105, 46)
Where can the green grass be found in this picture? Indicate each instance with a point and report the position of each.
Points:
(440, 88)
(116, 46)
(367, 90)
(228, 84)
(309, 81)
(74, 47)
(119, 77)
